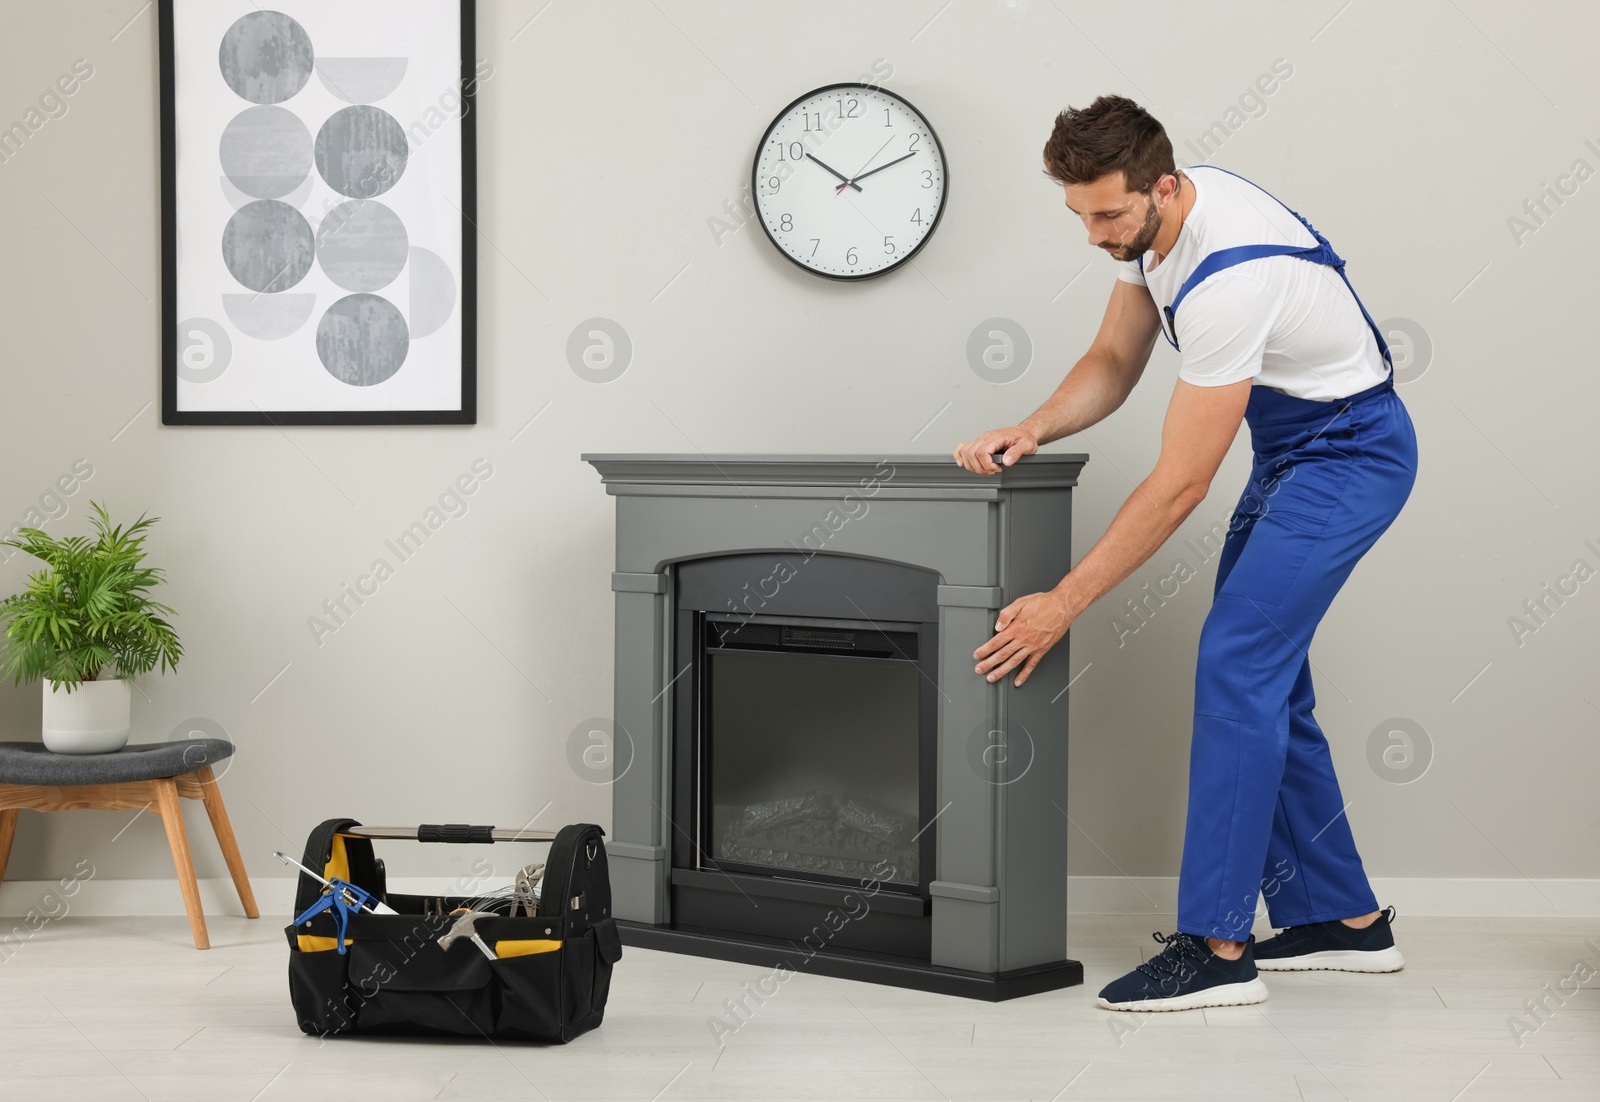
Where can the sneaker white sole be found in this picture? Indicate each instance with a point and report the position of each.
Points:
(1227, 994)
(1337, 960)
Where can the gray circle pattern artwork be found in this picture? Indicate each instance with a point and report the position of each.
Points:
(268, 246)
(266, 152)
(362, 340)
(361, 151)
(266, 57)
(362, 245)
(269, 317)
(361, 79)
(433, 292)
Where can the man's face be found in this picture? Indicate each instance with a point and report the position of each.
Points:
(1124, 223)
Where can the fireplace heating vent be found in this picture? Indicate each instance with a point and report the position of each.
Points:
(868, 642)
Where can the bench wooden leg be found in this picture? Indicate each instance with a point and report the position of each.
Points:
(211, 796)
(8, 831)
(172, 817)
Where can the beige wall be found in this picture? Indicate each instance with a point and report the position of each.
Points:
(610, 134)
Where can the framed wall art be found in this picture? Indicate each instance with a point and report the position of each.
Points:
(318, 212)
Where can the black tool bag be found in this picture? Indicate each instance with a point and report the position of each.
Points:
(549, 978)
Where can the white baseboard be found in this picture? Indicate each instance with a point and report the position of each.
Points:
(1464, 897)
(1440, 897)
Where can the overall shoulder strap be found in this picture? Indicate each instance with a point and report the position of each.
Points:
(1320, 253)
(1238, 254)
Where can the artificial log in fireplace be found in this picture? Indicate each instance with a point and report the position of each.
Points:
(818, 776)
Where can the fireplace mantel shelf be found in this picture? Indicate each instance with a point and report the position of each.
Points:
(654, 472)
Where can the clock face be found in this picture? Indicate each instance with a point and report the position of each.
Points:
(849, 181)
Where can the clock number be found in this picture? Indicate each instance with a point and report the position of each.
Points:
(888, 243)
(773, 183)
(786, 222)
(927, 175)
(806, 115)
(815, 241)
(914, 139)
(916, 216)
(843, 114)
(795, 149)
(886, 116)
(850, 256)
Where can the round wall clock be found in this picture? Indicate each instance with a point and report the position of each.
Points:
(849, 181)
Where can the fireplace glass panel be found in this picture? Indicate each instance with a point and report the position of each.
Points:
(813, 764)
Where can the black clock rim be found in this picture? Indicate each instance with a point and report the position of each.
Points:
(755, 181)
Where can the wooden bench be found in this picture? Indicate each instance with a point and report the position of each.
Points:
(146, 776)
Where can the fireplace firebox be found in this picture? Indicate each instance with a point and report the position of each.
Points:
(804, 750)
(817, 778)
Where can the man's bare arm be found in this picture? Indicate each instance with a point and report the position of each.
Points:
(1101, 381)
(1201, 424)
(1097, 384)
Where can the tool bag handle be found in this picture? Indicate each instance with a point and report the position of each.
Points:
(457, 833)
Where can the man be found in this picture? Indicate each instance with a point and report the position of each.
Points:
(1270, 332)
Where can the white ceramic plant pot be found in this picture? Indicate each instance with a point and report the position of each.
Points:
(92, 719)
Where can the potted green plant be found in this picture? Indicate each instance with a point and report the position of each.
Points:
(83, 627)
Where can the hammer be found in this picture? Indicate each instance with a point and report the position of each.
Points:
(463, 928)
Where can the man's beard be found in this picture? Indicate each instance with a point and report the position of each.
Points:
(1142, 240)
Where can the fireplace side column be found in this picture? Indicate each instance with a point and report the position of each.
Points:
(966, 895)
(638, 849)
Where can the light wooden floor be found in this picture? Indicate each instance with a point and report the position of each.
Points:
(102, 1008)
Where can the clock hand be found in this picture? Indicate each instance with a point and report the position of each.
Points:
(836, 172)
(880, 168)
(840, 189)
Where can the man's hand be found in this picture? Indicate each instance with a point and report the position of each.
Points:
(1016, 441)
(1027, 628)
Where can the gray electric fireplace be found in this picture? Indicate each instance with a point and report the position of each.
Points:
(818, 778)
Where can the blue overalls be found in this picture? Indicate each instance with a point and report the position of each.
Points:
(1265, 813)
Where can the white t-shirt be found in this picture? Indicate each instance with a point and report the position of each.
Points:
(1289, 324)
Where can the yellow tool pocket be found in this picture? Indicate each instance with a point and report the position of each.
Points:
(523, 948)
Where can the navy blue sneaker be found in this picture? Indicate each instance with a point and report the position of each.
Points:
(1333, 946)
(1184, 976)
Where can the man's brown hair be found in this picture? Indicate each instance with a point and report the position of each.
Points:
(1112, 134)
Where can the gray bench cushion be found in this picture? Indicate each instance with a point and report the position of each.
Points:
(31, 763)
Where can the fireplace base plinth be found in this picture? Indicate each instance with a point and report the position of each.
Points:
(848, 964)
